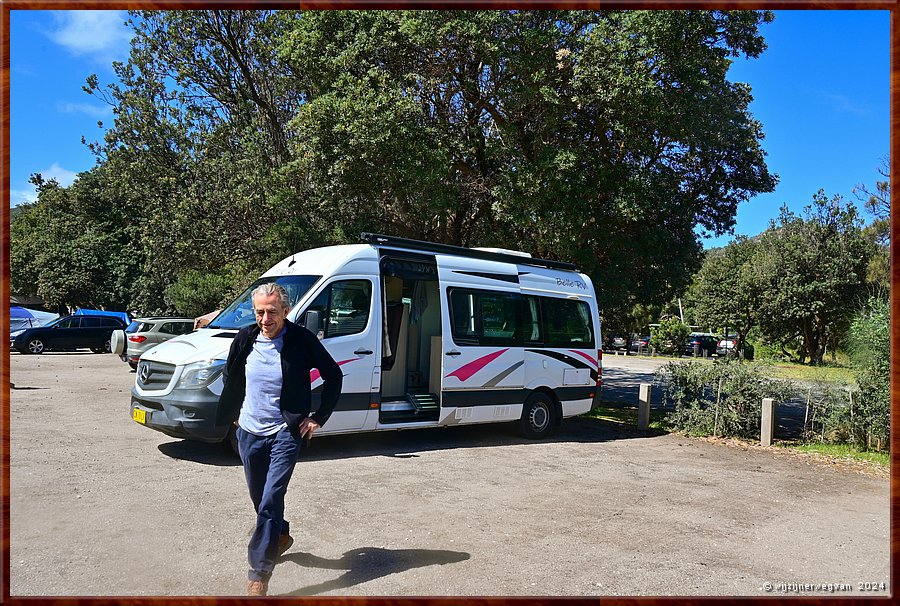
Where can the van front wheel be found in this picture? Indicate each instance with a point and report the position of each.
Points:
(537, 416)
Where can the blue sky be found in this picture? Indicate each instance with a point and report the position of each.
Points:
(821, 91)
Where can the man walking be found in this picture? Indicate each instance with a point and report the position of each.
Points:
(267, 389)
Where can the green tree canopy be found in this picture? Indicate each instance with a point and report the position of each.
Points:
(605, 138)
(877, 202)
(75, 246)
(727, 291)
(800, 281)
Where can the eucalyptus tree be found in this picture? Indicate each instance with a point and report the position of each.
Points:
(199, 135)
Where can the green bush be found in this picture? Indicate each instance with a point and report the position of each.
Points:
(723, 398)
(827, 412)
(671, 336)
(864, 418)
(842, 414)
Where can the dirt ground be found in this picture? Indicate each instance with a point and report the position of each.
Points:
(103, 506)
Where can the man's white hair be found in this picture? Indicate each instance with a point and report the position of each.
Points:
(271, 288)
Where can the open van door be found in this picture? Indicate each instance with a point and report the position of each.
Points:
(482, 358)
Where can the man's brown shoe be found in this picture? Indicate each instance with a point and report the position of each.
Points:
(257, 588)
(284, 543)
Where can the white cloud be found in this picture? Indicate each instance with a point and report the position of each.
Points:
(845, 104)
(95, 111)
(62, 175)
(98, 34)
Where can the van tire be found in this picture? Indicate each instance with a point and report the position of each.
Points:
(537, 416)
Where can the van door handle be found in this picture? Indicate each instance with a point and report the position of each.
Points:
(453, 352)
(363, 352)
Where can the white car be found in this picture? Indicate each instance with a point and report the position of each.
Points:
(725, 346)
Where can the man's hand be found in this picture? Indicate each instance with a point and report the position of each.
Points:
(308, 426)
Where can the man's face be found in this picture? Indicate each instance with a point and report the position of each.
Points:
(270, 314)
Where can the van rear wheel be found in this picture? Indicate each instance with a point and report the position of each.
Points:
(537, 416)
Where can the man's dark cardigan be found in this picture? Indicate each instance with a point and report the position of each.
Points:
(301, 353)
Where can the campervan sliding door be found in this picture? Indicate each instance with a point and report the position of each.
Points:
(482, 357)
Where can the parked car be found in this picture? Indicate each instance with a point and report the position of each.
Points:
(619, 342)
(71, 332)
(145, 333)
(726, 346)
(640, 344)
(702, 343)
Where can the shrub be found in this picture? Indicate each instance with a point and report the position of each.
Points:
(723, 398)
(671, 336)
(862, 417)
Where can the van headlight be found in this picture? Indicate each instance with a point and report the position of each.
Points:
(200, 374)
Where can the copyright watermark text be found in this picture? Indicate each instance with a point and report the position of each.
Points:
(823, 587)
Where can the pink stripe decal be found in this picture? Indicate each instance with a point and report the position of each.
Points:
(314, 373)
(585, 356)
(464, 373)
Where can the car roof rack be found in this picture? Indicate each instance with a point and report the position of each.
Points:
(461, 251)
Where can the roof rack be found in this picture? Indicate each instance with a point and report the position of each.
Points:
(449, 249)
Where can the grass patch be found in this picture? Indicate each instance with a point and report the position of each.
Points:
(625, 415)
(802, 372)
(843, 451)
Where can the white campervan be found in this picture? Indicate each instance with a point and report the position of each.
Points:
(427, 335)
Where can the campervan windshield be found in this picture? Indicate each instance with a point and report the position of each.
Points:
(240, 312)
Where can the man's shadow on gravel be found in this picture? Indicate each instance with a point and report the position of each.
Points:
(217, 455)
(369, 563)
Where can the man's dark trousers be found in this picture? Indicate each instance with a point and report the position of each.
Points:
(268, 465)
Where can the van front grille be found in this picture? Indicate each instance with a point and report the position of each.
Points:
(154, 375)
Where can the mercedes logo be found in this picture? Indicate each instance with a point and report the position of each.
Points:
(144, 371)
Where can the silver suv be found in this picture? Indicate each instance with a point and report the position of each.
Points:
(145, 333)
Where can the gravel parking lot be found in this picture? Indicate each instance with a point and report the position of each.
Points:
(103, 506)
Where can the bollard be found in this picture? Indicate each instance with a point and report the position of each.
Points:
(767, 428)
(644, 407)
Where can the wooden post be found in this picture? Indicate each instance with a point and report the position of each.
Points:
(767, 428)
(644, 407)
(718, 398)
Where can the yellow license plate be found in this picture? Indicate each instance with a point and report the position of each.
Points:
(139, 415)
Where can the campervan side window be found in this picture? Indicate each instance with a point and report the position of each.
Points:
(344, 306)
(566, 323)
(481, 317)
(505, 319)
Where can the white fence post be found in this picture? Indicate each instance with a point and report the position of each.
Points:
(644, 407)
(767, 428)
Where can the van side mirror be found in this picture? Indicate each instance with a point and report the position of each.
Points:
(312, 321)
